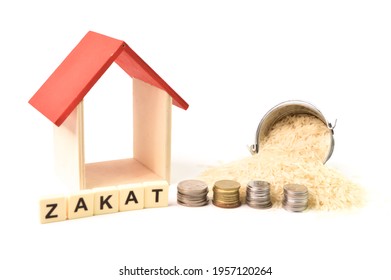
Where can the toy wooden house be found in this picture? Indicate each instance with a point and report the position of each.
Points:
(60, 99)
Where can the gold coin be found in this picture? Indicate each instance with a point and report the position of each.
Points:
(226, 194)
(227, 185)
(226, 205)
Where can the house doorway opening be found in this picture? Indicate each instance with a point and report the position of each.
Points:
(108, 120)
(109, 130)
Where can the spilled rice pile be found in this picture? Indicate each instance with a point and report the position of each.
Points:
(293, 152)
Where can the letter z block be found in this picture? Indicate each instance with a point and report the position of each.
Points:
(156, 194)
(81, 204)
(106, 200)
(53, 209)
(131, 197)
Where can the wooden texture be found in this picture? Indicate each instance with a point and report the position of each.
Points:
(75, 76)
(135, 67)
(69, 150)
(82, 68)
(60, 100)
(152, 128)
(53, 209)
(131, 197)
(156, 194)
(117, 172)
(106, 200)
(81, 204)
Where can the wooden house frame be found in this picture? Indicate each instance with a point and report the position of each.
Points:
(60, 99)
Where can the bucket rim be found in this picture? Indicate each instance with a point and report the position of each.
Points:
(287, 108)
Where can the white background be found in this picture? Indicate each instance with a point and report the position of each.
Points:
(231, 61)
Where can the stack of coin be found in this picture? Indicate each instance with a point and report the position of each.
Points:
(192, 193)
(295, 198)
(226, 194)
(258, 194)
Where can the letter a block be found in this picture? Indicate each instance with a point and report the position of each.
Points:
(53, 209)
(106, 200)
(81, 204)
(156, 194)
(131, 197)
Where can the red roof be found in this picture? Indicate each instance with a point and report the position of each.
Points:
(83, 67)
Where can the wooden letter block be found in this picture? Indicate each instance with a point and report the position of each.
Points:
(156, 194)
(53, 209)
(106, 200)
(81, 204)
(131, 197)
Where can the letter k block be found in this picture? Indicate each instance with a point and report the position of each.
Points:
(106, 200)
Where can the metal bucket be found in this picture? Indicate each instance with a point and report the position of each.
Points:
(284, 109)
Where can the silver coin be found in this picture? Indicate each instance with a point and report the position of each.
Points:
(259, 185)
(192, 196)
(295, 189)
(192, 203)
(256, 198)
(295, 209)
(192, 193)
(267, 206)
(194, 186)
(199, 204)
(258, 194)
(257, 205)
(295, 198)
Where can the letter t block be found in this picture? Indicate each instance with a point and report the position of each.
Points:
(156, 194)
